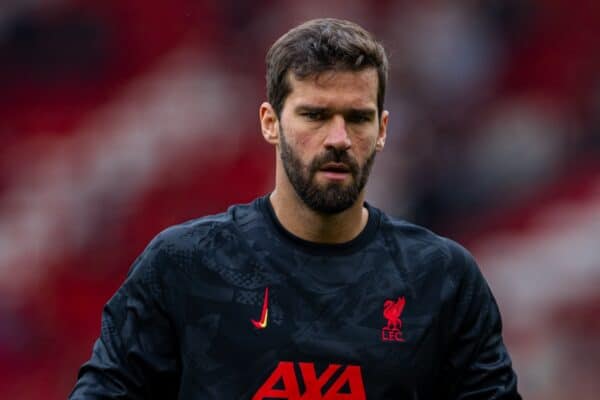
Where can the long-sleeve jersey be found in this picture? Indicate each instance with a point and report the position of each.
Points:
(233, 306)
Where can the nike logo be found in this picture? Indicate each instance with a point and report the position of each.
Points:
(262, 323)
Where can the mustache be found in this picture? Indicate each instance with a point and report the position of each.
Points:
(336, 156)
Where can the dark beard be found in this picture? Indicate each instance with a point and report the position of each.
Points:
(332, 198)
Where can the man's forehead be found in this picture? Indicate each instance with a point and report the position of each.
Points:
(357, 87)
(361, 78)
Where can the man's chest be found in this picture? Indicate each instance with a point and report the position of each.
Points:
(296, 335)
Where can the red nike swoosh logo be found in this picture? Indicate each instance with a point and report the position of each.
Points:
(262, 323)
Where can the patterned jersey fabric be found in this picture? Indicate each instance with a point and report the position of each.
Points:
(233, 306)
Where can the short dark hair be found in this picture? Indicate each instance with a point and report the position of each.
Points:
(321, 45)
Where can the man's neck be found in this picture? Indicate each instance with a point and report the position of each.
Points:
(305, 223)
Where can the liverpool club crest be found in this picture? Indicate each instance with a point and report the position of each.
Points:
(392, 310)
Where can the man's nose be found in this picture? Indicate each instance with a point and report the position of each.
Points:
(337, 134)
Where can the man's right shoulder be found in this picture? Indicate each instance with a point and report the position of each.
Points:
(186, 256)
(200, 233)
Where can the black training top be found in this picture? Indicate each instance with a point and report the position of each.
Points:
(233, 306)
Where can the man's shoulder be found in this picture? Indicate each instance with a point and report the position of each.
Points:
(408, 235)
(198, 242)
(424, 245)
(203, 231)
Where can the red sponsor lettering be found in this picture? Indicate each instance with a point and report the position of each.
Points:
(284, 377)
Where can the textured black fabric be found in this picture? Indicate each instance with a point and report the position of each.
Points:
(180, 325)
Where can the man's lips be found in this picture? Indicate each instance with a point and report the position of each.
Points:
(335, 171)
(335, 167)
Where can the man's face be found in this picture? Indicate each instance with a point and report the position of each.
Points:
(329, 131)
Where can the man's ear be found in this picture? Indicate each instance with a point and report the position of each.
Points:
(382, 131)
(269, 123)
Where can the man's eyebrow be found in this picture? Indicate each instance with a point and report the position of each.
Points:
(350, 110)
(362, 111)
(305, 107)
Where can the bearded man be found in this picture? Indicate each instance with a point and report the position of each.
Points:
(308, 292)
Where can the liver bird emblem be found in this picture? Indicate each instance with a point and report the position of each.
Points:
(392, 310)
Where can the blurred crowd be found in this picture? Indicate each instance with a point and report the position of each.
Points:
(119, 118)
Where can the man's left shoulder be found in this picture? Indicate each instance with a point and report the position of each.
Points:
(425, 247)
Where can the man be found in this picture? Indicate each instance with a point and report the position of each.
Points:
(309, 292)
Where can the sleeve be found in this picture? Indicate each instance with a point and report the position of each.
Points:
(135, 356)
(478, 366)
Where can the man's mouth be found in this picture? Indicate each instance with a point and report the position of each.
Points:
(335, 171)
(335, 167)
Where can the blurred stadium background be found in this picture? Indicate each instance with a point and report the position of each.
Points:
(121, 117)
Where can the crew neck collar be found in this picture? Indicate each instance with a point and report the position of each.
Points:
(323, 249)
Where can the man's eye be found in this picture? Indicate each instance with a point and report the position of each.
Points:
(314, 115)
(358, 119)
